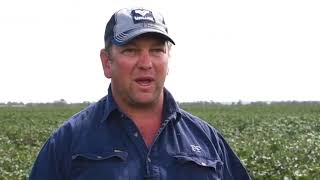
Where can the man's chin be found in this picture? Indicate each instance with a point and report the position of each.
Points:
(145, 100)
(144, 103)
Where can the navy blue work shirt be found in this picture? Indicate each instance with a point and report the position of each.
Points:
(101, 142)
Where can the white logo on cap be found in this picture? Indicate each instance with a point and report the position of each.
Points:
(142, 16)
(142, 12)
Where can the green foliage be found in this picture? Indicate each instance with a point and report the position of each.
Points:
(23, 130)
(278, 141)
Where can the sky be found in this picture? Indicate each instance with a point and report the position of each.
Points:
(226, 51)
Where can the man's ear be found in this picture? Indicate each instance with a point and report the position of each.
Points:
(105, 61)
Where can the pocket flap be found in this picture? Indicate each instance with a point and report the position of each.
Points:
(101, 156)
(201, 161)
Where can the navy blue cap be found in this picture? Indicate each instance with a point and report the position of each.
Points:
(126, 24)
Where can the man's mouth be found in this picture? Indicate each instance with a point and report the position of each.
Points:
(144, 81)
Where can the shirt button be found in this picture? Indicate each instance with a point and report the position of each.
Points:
(149, 160)
(136, 134)
(122, 115)
(203, 164)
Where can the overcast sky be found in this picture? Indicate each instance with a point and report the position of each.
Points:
(249, 50)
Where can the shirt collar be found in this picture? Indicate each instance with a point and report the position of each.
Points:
(109, 104)
(171, 109)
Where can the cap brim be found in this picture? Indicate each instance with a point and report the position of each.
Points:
(133, 34)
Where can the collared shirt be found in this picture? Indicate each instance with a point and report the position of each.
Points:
(101, 142)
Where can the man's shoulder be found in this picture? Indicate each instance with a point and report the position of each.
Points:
(81, 125)
(188, 116)
(89, 115)
(200, 123)
(84, 120)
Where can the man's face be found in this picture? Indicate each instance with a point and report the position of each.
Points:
(137, 70)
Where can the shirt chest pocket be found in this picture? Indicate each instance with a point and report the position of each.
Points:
(195, 167)
(110, 165)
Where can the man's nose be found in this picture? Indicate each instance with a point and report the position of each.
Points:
(144, 61)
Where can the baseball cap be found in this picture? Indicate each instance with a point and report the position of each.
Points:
(128, 23)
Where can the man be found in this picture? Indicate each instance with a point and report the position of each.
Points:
(137, 131)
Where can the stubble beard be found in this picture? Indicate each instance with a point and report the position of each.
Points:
(134, 102)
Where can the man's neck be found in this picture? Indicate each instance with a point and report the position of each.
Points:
(146, 118)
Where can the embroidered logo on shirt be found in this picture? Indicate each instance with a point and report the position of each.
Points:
(196, 148)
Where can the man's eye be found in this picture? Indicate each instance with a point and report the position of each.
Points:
(129, 51)
(158, 50)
